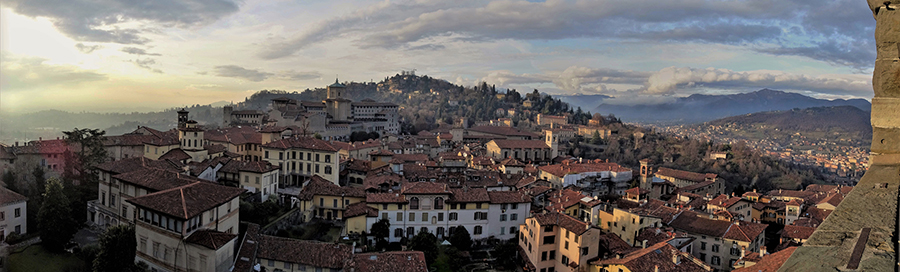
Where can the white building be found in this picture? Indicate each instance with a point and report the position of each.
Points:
(12, 213)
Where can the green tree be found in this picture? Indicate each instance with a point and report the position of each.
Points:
(426, 243)
(505, 252)
(117, 249)
(90, 153)
(595, 138)
(55, 228)
(9, 178)
(381, 229)
(460, 238)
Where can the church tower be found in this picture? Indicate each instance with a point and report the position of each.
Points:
(336, 105)
(182, 118)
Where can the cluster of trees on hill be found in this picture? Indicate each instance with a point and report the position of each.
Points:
(745, 168)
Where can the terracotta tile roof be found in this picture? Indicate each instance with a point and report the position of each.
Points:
(658, 256)
(236, 166)
(128, 140)
(318, 186)
(302, 143)
(360, 208)
(187, 201)
(156, 179)
(797, 232)
(834, 199)
(234, 135)
(469, 195)
(725, 201)
(749, 194)
(394, 261)
(685, 175)
(614, 244)
(246, 257)
(656, 208)
(215, 148)
(375, 180)
(135, 163)
(7, 196)
(513, 144)
(500, 197)
(537, 190)
(562, 220)
(6, 153)
(175, 155)
(43, 147)
(562, 199)
(504, 131)
(560, 170)
(385, 198)
(692, 222)
(791, 193)
(325, 255)
(425, 188)
(636, 191)
(210, 239)
(771, 262)
(411, 158)
(695, 186)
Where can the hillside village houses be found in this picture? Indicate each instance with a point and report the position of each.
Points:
(183, 189)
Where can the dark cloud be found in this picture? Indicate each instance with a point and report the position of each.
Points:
(292, 75)
(240, 72)
(87, 49)
(138, 51)
(146, 64)
(32, 73)
(100, 20)
(831, 27)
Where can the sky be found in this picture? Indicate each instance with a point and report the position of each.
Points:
(125, 55)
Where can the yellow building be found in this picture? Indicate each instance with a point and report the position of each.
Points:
(302, 158)
(522, 150)
(558, 242)
(322, 199)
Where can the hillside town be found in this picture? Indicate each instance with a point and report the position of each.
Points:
(281, 191)
(841, 161)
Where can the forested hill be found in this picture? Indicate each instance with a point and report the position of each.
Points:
(839, 118)
(427, 102)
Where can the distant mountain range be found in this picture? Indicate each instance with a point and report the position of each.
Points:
(587, 102)
(823, 123)
(700, 108)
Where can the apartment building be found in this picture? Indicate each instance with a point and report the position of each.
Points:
(300, 158)
(12, 213)
(555, 242)
(720, 243)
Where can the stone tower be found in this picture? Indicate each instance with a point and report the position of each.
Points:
(226, 115)
(182, 118)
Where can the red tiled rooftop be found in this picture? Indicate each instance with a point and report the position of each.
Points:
(325, 255)
(210, 239)
(394, 261)
(562, 220)
(771, 262)
(685, 175)
(308, 143)
(188, 201)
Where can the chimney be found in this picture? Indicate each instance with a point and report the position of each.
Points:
(762, 251)
(657, 231)
(676, 258)
(743, 251)
(40, 138)
(656, 268)
(17, 143)
(644, 243)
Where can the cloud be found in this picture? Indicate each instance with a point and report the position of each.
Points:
(240, 72)
(121, 21)
(145, 63)
(828, 31)
(674, 81)
(87, 49)
(26, 73)
(292, 75)
(671, 80)
(138, 51)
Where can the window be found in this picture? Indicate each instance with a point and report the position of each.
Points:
(398, 232)
(513, 217)
(327, 169)
(143, 245)
(410, 231)
(266, 154)
(548, 229)
(453, 216)
(317, 168)
(478, 205)
(321, 202)
(257, 180)
(271, 262)
(453, 206)
(543, 256)
(715, 248)
(502, 217)
(512, 230)
(735, 252)
(308, 156)
(439, 203)
(412, 217)
(2, 216)
(384, 206)
(703, 257)
(440, 217)
(564, 260)
(716, 261)
(424, 217)
(156, 249)
(477, 230)
(566, 245)
(399, 216)
(702, 245)
(18, 212)
(317, 157)
(503, 207)
(334, 203)
(124, 211)
(584, 251)
(280, 156)
(287, 265)
(327, 158)
(552, 255)
(515, 206)
(548, 240)
(414, 203)
(440, 232)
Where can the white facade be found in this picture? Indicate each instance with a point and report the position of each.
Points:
(12, 218)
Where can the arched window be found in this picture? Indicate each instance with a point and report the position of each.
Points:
(439, 203)
(414, 203)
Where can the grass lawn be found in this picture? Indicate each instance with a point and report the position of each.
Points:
(35, 259)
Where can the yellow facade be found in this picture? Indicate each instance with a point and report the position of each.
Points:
(328, 207)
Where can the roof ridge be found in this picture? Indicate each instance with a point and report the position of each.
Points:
(183, 204)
